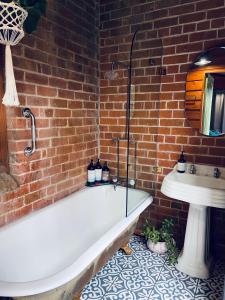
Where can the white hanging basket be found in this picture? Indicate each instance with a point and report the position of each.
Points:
(12, 17)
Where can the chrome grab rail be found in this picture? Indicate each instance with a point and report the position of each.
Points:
(28, 151)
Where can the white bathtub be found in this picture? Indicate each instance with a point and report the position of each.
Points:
(52, 246)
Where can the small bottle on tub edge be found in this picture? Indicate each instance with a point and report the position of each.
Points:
(91, 173)
(98, 172)
(105, 173)
(181, 163)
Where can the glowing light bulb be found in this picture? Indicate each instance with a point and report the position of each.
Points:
(202, 62)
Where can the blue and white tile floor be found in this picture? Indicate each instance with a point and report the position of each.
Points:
(147, 276)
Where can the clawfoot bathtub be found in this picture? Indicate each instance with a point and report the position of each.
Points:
(52, 253)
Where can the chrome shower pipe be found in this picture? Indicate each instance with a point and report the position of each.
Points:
(127, 130)
(128, 115)
(132, 141)
(117, 140)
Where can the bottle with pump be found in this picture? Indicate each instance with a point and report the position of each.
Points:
(105, 173)
(98, 171)
(181, 163)
(91, 173)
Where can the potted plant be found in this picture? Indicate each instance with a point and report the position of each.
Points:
(160, 240)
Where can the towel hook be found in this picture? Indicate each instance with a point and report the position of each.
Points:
(28, 151)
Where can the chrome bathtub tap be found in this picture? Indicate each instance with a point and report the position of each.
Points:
(192, 169)
(132, 183)
(216, 173)
(115, 183)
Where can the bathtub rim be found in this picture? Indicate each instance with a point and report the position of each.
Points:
(30, 288)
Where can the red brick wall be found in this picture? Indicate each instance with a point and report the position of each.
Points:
(57, 76)
(172, 32)
(56, 70)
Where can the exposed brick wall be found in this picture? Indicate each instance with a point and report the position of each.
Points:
(173, 33)
(57, 74)
(56, 70)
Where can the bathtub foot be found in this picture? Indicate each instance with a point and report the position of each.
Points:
(77, 296)
(126, 248)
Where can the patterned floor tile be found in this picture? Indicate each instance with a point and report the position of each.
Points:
(218, 270)
(128, 295)
(138, 244)
(147, 276)
(173, 285)
(93, 290)
(184, 281)
(122, 295)
(113, 266)
(147, 259)
(113, 284)
(127, 262)
(135, 279)
(212, 288)
(171, 289)
(142, 294)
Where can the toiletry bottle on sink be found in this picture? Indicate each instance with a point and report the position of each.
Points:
(181, 163)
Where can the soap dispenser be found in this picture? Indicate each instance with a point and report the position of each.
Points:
(91, 173)
(105, 173)
(181, 163)
(98, 171)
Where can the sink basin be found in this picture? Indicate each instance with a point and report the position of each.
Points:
(200, 188)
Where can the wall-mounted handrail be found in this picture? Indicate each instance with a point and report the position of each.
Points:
(28, 151)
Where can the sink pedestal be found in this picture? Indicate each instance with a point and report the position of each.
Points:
(194, 258)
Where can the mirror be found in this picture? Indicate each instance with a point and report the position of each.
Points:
(213, 121)
(205, 93)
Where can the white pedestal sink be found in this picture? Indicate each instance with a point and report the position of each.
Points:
(202, 191)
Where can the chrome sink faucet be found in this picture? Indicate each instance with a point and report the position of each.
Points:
(216, 173)
(192, 169)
